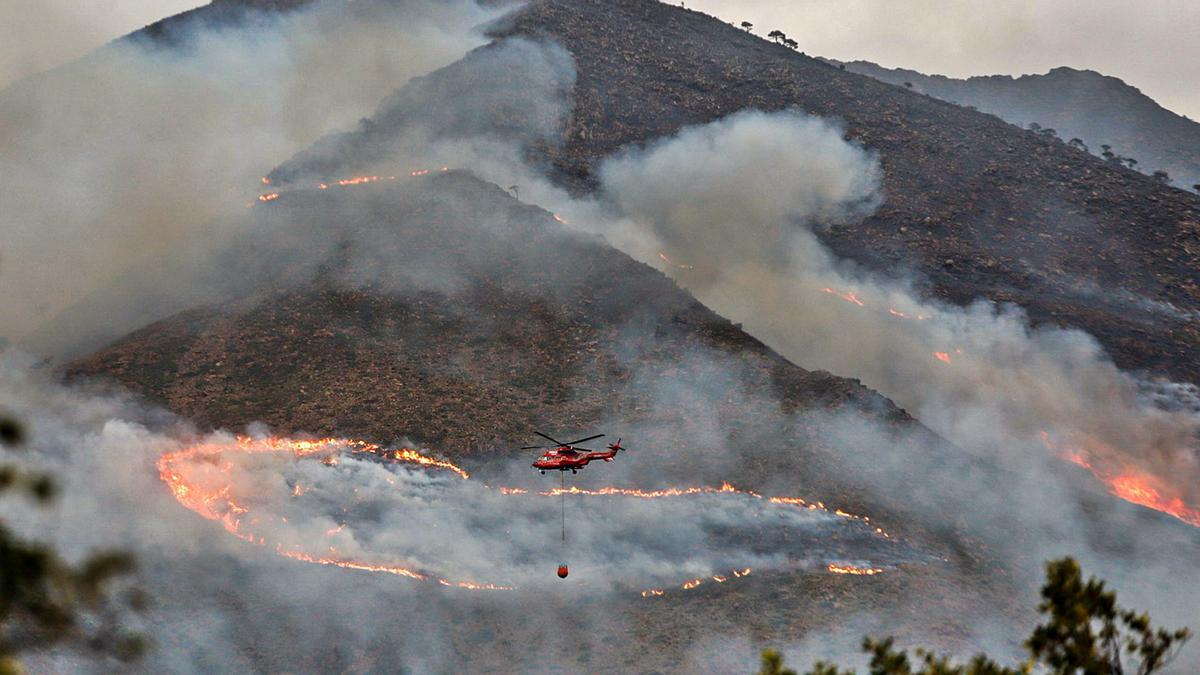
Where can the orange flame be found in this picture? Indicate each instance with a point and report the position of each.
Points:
(345, 182)
(848, 296)
(359, 180)
(1130, 484)
(219, 505)
(944, 357)
(663, 256)
(857, 571)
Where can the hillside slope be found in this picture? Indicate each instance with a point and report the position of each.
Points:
(1098, 109)
(973, 206)
(446, 311)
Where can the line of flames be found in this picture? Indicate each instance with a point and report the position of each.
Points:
(1128, 483)
(349, 182)
(725, 488)
(745, 572)
(221, 507)
(853, 570)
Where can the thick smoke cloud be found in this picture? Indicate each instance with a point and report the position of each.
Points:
(140, 153)
(736, 218)
(733, 206)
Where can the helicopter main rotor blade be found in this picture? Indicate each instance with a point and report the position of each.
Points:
(584, 440)
(534, 447)
(558, 443)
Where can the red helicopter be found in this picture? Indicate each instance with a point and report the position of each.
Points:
(562, 457)
(565, 456)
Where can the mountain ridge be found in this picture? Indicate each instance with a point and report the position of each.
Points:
(1099, 109)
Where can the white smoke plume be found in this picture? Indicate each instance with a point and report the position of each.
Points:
(733, 206)
(141, 151)
(731, 210)
(729, 205)
(215, 595)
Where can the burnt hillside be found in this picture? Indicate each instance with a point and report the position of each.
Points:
(442, 310)
(445, 310)
(973, 205)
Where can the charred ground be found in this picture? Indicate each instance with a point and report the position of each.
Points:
(973, 206)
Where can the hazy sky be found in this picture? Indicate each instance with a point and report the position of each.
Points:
(1151, 44)
(36, 35)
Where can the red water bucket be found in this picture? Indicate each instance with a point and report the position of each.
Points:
(562, 571)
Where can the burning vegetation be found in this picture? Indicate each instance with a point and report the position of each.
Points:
(1128, 483)
(357, 180)
(202, 478)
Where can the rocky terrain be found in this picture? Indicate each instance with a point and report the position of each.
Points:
(1094, 108)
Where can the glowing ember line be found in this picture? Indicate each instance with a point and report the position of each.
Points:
(725, 488)
(359, 180)
(663, 256)
(1130, 484)
(848, 296)
(219, 505)
(856, 571)
(346, 182)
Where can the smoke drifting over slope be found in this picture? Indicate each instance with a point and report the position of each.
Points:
(729, 211)
(732, 204)
(140, 151)
(728, 204)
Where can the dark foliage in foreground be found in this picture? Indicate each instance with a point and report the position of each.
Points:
(44, 600)
(1084, 631)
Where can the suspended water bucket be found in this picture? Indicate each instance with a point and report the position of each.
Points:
(562, 571)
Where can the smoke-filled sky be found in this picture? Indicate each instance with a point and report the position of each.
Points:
(1149, 44)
